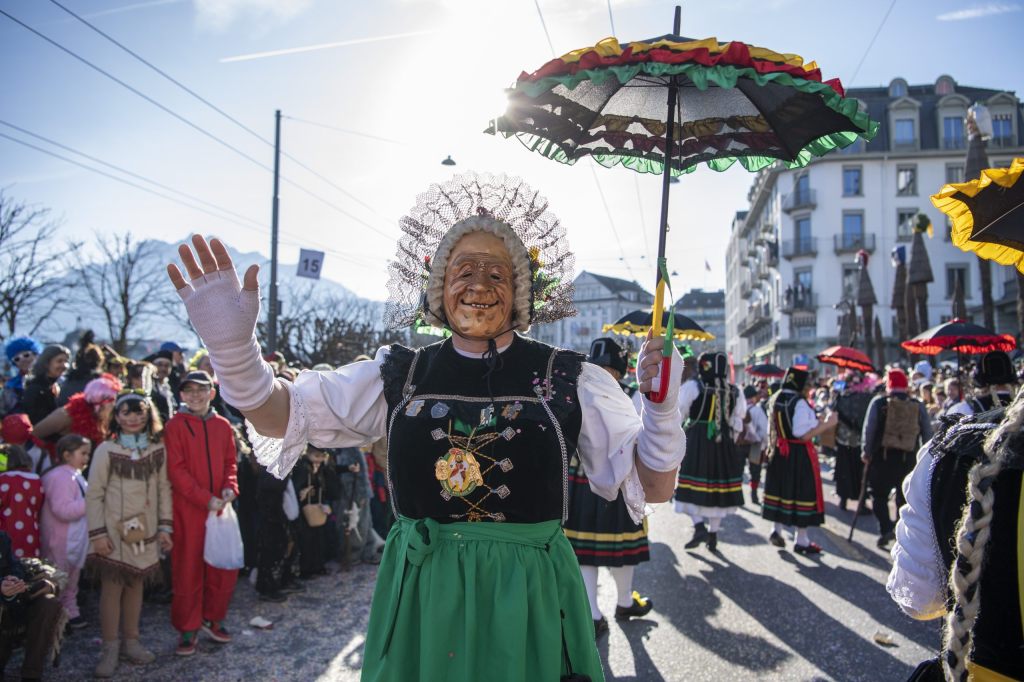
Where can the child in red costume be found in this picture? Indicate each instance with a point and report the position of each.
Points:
(21, 500)
(202, 468)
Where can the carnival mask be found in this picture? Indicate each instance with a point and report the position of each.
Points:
(478, 290)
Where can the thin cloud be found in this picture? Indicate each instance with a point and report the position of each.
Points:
(979, 11)
(132, 7)
(320, 46)
(218, 15)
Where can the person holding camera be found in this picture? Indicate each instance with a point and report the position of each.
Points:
(29, 613)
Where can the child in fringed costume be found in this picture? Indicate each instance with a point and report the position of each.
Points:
(710, 485)
(792, 488)
(128, 504)
(959, 551)
(477, 580)
(602, 533)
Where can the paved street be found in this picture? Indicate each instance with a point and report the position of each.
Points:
(749, 612)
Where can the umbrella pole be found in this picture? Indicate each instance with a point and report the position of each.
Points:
(666, 179)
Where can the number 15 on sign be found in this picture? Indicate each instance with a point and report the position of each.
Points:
(310, 263)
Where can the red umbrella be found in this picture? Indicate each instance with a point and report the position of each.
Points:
(766, 370)
(849, 358)
(961, 336)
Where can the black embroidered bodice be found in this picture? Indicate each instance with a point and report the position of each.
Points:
(463, 446)
(700, 409)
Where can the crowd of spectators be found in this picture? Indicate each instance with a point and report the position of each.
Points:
(109, 469)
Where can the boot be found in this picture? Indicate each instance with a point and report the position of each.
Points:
(700, 533)
(133, 651)
(712, 541)
(753, 496)
(108, 659)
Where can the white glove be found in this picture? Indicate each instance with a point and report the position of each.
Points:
(224, 315)
(661, 443)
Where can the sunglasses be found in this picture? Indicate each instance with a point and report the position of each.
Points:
(24, 354)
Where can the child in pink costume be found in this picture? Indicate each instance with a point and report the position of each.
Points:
(64, 524)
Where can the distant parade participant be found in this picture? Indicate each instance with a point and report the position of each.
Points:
(477, 580)
(710, 485)
(851, 408)
(895, 427)
(958, 547)
(792, 487)
(602, 533)
(754, 439)
(995, 380)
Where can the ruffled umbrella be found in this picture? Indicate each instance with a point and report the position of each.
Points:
(960, 336)
(848, 358)
(667, 104)
(766, 370)
(638, 323)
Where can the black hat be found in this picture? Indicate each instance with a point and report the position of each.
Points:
(795, 379)
(994, 369)
(197, 377)
(749, 392)
(712, 366)
(605, 352)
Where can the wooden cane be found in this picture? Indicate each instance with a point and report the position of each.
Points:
(860, 500)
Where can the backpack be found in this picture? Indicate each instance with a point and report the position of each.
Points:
(901, 425)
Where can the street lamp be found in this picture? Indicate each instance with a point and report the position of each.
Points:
(449, 161)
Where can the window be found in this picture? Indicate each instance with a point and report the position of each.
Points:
(802, 189)
(806, 332)
(851, 181)
(953, 271)
(853, 230)
(944, 86)
(851, 278)
(906, 181)
(802, 234)
(904, 223)
(1002, 130)
(954, 172)
(904, 132)
(952, 132)
(898, 88)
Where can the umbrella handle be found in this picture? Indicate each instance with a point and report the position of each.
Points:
(661, 379)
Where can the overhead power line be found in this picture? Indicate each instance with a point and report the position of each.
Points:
(343, 130)
(871, 44)
(193, 125)
(611, 19)
(611, 222)
(544, 25)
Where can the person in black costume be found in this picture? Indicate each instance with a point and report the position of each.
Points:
(316, 484)
(996, 382)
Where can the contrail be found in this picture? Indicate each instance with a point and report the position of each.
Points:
(321, 46)
(129, 8)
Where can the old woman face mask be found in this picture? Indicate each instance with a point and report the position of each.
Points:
(478, 287)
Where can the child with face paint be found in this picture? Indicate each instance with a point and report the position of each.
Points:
(479, 426)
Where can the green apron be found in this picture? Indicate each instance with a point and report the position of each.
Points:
(502, 602)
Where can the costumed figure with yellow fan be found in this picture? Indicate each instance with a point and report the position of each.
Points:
(710, 485)
(484, 258)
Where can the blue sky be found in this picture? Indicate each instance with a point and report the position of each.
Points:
(409, 102)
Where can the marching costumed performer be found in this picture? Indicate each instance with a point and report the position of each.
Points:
(480, 428)
(959, 550)
(710, 485)
(602, 533)
(792, 487)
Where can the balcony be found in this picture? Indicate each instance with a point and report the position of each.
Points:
(800, 199)
(796, 248)
(763, 271)
(852, 243)
(757, 317)
(795, 303)
(745, 288)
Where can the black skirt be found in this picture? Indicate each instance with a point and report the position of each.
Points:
(849, 471)
(601, 532)
(792, 486)
(711, 474)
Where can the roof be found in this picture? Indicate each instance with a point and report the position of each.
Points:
(698, 298)
(616, 285)
(877, 100)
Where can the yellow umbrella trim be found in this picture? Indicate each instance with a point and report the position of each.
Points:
(628, 328)
(963, 219)
(610, 47)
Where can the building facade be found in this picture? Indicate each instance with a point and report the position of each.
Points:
(790, 266)
(599, 300)
(706, 308)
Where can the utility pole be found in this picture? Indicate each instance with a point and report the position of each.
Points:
(272, 335)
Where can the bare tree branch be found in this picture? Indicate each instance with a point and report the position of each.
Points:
(30, 288)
